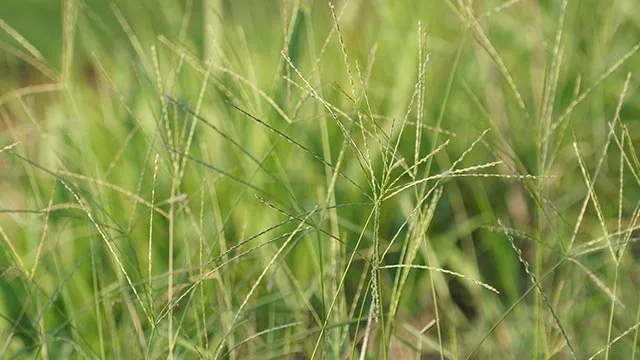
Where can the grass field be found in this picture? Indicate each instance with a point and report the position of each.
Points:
(368, 179)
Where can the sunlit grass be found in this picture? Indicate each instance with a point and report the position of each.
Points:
(299, 179)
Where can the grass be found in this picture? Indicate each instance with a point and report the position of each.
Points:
(300, 179)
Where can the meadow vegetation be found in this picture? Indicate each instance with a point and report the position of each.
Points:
(366, 179)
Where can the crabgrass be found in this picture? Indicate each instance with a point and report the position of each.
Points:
(302, 179)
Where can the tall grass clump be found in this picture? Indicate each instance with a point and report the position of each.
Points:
(304, 179)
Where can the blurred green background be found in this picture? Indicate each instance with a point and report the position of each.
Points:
(242, 179)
